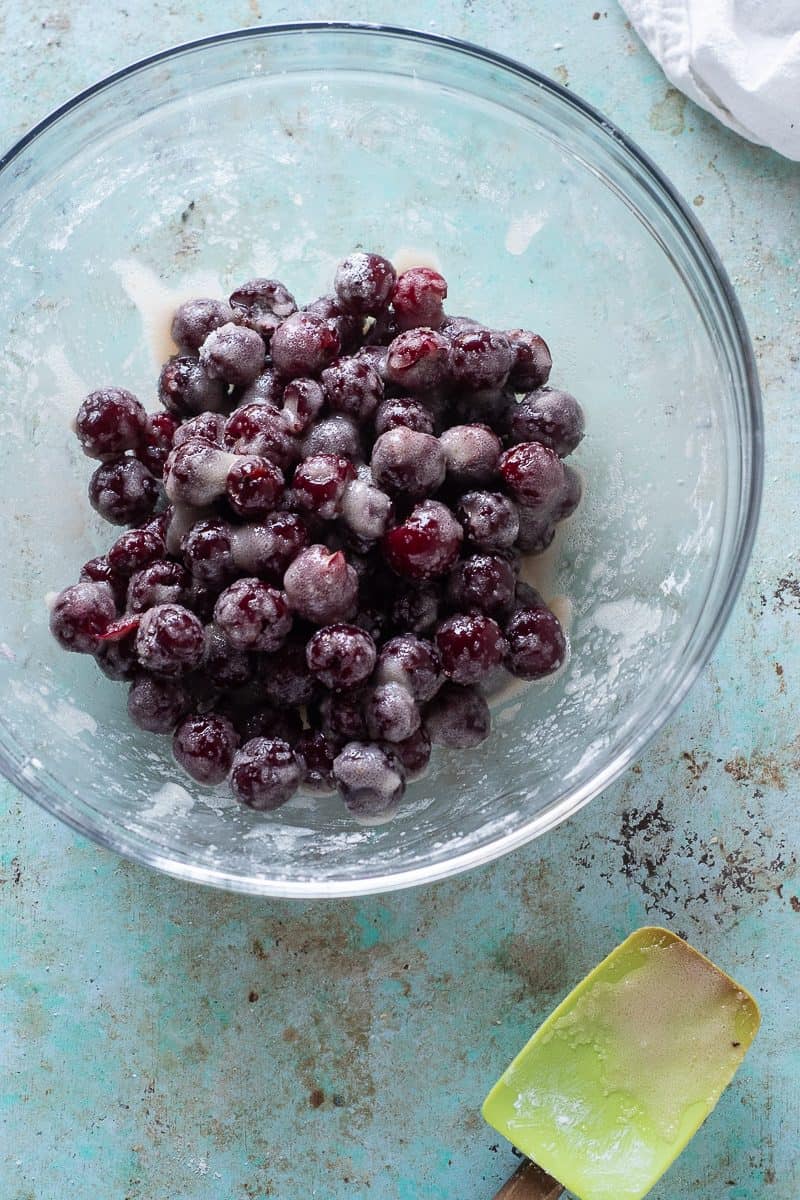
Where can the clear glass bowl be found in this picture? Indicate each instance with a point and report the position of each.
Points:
(275, 151)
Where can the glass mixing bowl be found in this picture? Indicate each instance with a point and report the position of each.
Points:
(274, 152)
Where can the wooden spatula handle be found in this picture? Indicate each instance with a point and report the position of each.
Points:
(530, 1182)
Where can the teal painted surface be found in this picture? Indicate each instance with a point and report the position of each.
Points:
(159, 1042)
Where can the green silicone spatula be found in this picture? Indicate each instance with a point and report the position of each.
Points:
(613, 1085)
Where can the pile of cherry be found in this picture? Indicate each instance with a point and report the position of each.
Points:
(325, 528)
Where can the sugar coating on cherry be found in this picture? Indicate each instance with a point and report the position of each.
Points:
(110, 421)
(349, 486)
(265, 774)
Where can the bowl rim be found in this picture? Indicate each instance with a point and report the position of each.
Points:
(146, 853)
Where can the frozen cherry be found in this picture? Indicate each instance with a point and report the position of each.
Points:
(352, 387)
(471, 452)
(414, 752)
(371, 779)
(481, 358)
(413, 662)
(195, 472)
(99, 570)
(549, 416)
(302, 401)
(458, 717)
(200, 597)
(268, 547)
(160, 582)
(482, 583)
(346, 324)
(123, 491)
(110, 421)
(426, 544)
(266, 388)
(262, 304)
(391, 712)
(266, 721)
(253, 486)
(374, 356)
(536, 531)
(341, 715)
(223, 666)
(321, 586)
(408, 462)
(285, 678)
(170, 640)
(204, 745)
(365, 510)
(536, 643)
(418, 359)
(265, 774)
(571, 496)
(335, 435)
(532, 361)
(364, 283)
(489, 519)
(194, 320)
(186, 390)
(414, 610)
(319, 484)
(208, 426)
(117, 660)
(315, 752)
(157, 705)
(418, 298)
(234, 354)
(304, 345)
(486, 406)
(341, 656)
(402, 411)
(526, 596)
(134, 550)
(81, 614)
(157, 443)
(260, 429)
(534, 474)
(253, 615)
(471, 645)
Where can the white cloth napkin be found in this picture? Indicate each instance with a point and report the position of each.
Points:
(739, 59)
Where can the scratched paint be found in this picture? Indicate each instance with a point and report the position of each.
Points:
(161, 1041)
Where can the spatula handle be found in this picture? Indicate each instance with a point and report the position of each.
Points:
(530, 1182)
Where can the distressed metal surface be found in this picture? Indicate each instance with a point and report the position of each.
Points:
(160, 1042)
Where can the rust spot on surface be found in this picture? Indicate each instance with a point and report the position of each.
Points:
(290, 1034)
(316, 1097)
(761, 769)
(252, 997)
(258, 950)
(795, 903)
(699, 200)
(694, 765)
(787, 593)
